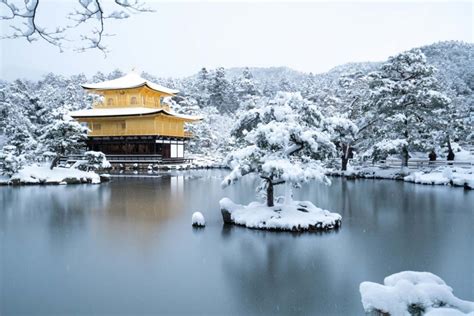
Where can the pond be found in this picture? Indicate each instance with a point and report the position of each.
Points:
(128, 247)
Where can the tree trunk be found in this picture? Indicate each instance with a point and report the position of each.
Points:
(270, 193)
(344, 157)
(405, 156)
(344, 163)
(55, 162)
(450, 150)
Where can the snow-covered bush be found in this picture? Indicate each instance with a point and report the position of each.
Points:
(10, 160)
(94, 160)
(284, 143)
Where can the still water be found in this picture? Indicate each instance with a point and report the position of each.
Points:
(127, 247)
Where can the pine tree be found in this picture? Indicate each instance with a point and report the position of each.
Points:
(285, 143)
(343, 133)
(62, 136)
(246, 86)
(201, 92)
(407, 101)
(222, 93)
(10, 160)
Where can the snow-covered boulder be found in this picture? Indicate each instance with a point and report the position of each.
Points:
(413, 293)
(198, 220)
(291, 216)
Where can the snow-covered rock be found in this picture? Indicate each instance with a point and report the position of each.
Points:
(291, 216)
(198, 219)
(58, 175)
(410, 292)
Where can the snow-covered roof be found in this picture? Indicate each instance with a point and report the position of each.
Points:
(129, 81)
(131, 111)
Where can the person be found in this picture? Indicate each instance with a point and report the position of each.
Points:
(432, 155)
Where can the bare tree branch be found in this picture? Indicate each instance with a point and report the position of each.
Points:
(89, 11)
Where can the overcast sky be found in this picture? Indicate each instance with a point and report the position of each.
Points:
(181, 37)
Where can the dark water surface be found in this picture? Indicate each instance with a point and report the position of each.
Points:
(127, 247)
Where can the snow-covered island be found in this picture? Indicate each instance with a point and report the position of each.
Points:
(413, 293)
(292, 216)
(58, 175)
(82, 171)
(281, 146)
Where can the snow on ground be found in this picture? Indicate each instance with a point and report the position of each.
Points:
(293, 216)
(43, 175)
(207, 161)
(198, 219)
(409, 292)
(455, 176)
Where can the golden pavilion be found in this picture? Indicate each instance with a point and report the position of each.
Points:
(132, 119)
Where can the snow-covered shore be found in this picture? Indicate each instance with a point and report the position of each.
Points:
(44, 175)
(291, 216)
(455, 176)
(207, 161)
(413, 293)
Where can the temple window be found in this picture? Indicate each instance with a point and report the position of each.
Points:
(133, 100)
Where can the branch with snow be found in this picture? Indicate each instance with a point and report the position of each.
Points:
(29, 28)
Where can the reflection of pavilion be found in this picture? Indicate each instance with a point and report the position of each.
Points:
(141, 208)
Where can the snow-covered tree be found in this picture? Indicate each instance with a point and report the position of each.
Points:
(221, 92)
(407, 101)
(62, 136)
(285, 143)
(11, 160)
(19, 133)
(343, 133)
(201, 88)
(246, 86)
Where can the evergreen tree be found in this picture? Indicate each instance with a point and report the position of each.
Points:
(62, 136)
(222, 94)
(343, 133)
(10, 160)
(246, 86)
(19, 134)
(285, 143)
(201, 92)
(406, 98)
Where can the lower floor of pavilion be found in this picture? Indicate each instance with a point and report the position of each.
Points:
(167, 147)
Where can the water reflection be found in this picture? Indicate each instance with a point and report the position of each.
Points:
(128, 247)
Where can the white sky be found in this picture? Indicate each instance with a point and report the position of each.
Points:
(181, 37)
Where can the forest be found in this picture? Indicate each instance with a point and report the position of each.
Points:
(416, 103)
